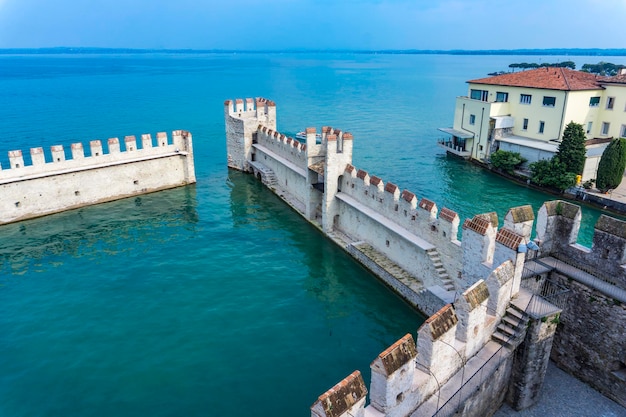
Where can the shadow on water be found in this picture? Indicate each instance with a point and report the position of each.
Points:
(334, 277)
(359, 316)
(98, 231)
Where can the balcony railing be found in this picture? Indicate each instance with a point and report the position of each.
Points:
(450, 147)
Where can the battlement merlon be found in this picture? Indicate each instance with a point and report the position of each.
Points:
(57, 160)
(242, 123)
(347, 398)
(52, 183)
(259, 108)
(392, 376)
(558, 223)
(37, 156)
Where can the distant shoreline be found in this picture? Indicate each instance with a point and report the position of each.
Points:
(552, 51)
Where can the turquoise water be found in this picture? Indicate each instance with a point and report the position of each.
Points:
(214, 299)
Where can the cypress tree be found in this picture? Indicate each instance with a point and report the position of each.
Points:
(611, 166)
(572, 150)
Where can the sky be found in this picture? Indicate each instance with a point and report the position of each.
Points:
(313, 24)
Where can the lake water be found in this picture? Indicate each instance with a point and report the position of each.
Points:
(215, 299)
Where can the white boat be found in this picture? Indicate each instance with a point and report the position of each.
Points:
(301, 136)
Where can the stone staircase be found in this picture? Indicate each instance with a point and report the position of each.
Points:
(446, 282)
(269, 179)
(385, 265)
(267, 175)
(511, 329)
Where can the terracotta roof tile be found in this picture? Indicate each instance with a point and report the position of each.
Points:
(597, 141)
(548, 78)
(374, 180)
(396, 355)
(491, 217)
(476, 294)
(447, 215)
(408, 196)
(391, 187)
(477, 224)
(618, 79)
(337, 400)
(361, 174)
(509, 238)
(441, 321)
(426, 204)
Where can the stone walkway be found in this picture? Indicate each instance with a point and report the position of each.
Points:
(565, 396)
(618, 194)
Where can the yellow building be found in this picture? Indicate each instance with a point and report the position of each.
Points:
(527, 112)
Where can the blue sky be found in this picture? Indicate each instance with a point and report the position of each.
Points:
(313, 24)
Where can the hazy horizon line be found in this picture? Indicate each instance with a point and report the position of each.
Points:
(517, 51)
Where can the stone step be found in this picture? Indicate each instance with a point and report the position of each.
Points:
(448, 284)
(510, 327)
(508, 330)
(517, 309)
(503, 339)
(515, 312)
(514, 322)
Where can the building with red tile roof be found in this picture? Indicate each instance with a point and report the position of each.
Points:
(527, 112)
(545, 78)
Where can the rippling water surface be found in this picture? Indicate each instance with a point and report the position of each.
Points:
(214, 299)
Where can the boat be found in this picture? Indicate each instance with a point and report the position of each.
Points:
(301, 136)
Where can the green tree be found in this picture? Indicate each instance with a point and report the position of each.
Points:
(602, 68)
(506, 161)
(572, 150)
(552, 173)
(611, 166)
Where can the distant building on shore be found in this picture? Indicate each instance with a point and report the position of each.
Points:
(527, 112)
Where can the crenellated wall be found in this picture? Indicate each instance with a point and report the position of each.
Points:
(590, 342)
(402, 232)
(453, 356)
(398, 225)
(242, 121)
(488, 335)
(558, 223)
(57, 182)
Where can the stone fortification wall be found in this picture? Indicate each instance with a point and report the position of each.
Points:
(590, 342)
(453, 365)
(397, 225)
(286, 159)
(63, 183)
(558, 223)
(285, 147)
(318, 179)
(415, 248)
(242, 121)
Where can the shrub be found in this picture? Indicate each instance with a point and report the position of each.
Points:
(507, 161)
(552, 173)
(611, 166)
